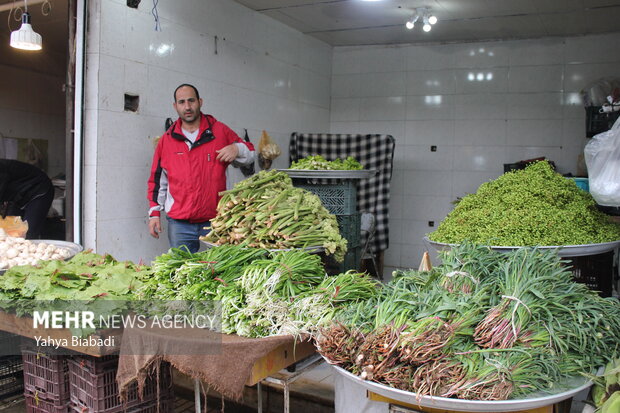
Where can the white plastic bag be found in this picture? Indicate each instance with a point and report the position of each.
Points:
(602, 156)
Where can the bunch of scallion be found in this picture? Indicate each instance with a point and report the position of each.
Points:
(266, 211)
(484, 325)
(261, 293)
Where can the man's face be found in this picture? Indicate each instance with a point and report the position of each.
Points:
(187, 105)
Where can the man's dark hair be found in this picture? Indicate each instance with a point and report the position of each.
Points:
(186, 85)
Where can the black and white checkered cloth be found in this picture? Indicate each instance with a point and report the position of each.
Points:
(374, 152)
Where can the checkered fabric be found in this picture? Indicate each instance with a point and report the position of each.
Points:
(374, 152)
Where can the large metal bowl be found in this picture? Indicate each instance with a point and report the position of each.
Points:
(563, 250)
(563, 391)
(71, 246)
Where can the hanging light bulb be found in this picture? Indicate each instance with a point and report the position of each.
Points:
(427, 26)
(410, 24)
(25, 38)
(432, 19)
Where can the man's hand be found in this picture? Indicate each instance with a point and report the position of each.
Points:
(228, 153)
(154, 226)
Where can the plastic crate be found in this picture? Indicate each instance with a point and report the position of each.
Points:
(11, 376)
(350, 227)
(582, 183)
(35, 404)
(352, 261)
(339, 199)
(93, 387)
(596, 271)
(46, 375)
(597, 122)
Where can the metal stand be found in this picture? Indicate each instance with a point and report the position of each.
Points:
(197, 395)
(301, 367)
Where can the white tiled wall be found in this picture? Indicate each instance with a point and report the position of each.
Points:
(481, 104)
(32, 106)
(258, 74)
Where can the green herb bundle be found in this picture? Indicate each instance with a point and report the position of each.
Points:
(266, 211)
(317, 162)
(483, 325)
(534, 206)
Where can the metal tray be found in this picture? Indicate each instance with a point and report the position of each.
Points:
(563, 391)
(71, 246)
(329, 174)
(563, 250)
(314, 249)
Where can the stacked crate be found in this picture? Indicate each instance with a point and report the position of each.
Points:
(93, 388)
(341, 200)
(46, 381)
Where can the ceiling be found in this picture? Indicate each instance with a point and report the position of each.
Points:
(358, 22)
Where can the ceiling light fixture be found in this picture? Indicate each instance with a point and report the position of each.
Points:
(25, 38)
(424, 14)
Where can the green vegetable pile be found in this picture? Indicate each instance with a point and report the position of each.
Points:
(317, 162)
(534, 206)
(482, 326)
(266, 211)
(606, 390)
(261, 293)
(85, 277)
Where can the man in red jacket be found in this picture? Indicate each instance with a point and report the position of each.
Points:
(189, 170)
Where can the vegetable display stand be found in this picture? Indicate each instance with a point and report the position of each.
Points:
(93, 387)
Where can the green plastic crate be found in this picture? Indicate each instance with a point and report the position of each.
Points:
(339, 199)
(350, 227)
(352, 261)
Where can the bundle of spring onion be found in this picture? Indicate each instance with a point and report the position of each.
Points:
(261, 293)
(266, 211)
(317, 162)
(483, 325)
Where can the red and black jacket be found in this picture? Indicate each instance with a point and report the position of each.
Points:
(185, 179)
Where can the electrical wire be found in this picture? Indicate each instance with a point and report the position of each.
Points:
(156, 16)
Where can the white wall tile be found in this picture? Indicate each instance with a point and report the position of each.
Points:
(431, 132)
(537, 52)
(592, 49)
(382, 108)
(578, 77)
(481, 55)
(381, 59)
(418, 157)
(345, 109)
(482, 80)
(467, 182)
(344, 86)
(429, 57)
(426, 208)
(380, 84)
(480, 106)
(535, 106)
(436, 183)
(535, 79)
(430, 107)
(534, 132)
(480, 132)
(478, 158)
(431, 82)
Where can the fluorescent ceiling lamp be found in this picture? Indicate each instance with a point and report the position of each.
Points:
(25, 38)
